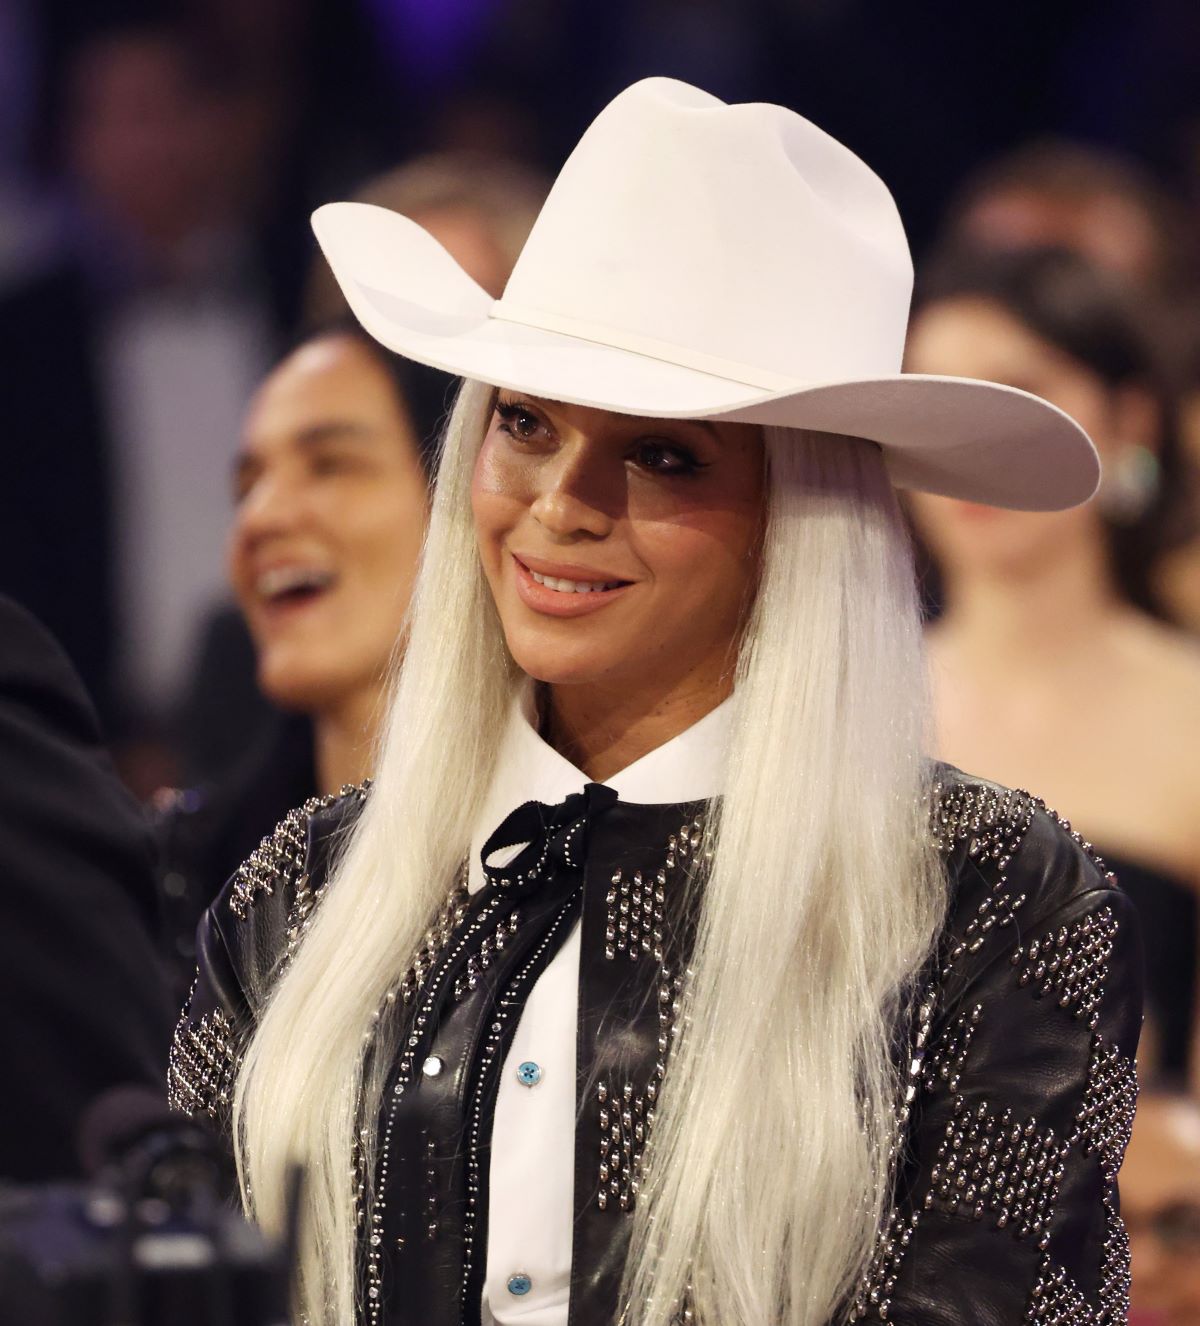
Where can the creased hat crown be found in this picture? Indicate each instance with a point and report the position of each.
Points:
(696, 260)
(675, 204)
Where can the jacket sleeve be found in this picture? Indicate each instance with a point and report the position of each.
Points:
(240, 936)
(244, 941)
(1022, 1087)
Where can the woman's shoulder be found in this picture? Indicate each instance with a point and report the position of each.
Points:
(1013, 862)
(268, 900)
(1169, 651)
(1157, 670)
(1020, 1076)
(299, 846)
(245, 940)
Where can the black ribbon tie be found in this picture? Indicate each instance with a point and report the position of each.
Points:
(555, 839)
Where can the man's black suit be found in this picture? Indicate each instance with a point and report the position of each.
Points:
(83, 1005)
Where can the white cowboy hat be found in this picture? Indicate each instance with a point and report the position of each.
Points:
(698, 260)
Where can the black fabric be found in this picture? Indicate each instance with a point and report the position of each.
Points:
(83, 1003)
(55, 508)
(1016, 1055)
(1169, 912)
(205, 832)
(222, 713)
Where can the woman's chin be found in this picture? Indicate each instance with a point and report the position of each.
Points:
(299, 689)
(559, 667)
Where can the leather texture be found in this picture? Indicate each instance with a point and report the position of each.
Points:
(1017, 1066)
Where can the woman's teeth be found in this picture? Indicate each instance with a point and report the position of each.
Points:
(283, 580)
(575, 586)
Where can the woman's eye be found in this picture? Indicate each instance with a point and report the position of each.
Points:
(517, 421)
(244, 480)
(323, 466)
(666, 458)
(339, 461)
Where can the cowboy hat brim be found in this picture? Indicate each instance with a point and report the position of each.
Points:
(958, 437)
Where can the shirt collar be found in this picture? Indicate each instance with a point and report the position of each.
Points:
(689, 767)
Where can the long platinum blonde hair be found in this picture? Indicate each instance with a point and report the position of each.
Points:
(769, 1175)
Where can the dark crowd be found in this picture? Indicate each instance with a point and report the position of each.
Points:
(201, 447)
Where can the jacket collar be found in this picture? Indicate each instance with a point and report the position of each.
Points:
(689, 767)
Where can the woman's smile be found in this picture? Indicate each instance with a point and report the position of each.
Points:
(562, 590)
(283, 591)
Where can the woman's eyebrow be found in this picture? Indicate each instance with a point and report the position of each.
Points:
(705, 424)
(245, 466)
(331, 430)
(246, 463)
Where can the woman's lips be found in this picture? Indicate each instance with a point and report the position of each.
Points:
(283, 607)
(552, 602)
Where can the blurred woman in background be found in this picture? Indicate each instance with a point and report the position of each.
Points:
(331, 492)
(1109, 209)
(1053, 666)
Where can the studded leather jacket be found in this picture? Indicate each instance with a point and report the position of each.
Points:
(1018, 1063)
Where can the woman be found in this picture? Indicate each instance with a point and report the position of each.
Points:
(683, 1043)
(331, 499)
(330, 506)
(1052, 665)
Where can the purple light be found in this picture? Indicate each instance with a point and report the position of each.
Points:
(431, 40)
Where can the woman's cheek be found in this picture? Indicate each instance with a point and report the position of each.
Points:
(496, 469)
(499, 491)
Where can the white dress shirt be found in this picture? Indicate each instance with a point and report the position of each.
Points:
(532, 1175)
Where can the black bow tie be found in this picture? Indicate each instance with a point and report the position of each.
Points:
(555, 837)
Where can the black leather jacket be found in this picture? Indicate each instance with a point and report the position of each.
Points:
(1020, 1082)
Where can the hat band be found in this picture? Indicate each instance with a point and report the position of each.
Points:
(730, 370)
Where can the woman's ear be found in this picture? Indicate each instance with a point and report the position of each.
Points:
(1137, 417)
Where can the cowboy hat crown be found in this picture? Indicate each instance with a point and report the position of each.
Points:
(702, 260)
(710, 234)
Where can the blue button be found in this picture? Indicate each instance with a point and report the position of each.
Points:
(529, 1074)
(519, 1284)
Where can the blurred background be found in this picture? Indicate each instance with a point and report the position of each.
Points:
(159, 161)
(167, 334)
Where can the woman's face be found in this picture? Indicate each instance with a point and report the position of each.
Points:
(621, 552)
(331, 512)
(974, 337)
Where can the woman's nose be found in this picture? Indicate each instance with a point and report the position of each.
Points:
(578, 494)
(269, 507)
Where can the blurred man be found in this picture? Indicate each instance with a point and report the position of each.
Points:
(127, 364)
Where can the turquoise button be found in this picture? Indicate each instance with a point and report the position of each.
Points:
(529, 1074)
(519, 1284)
